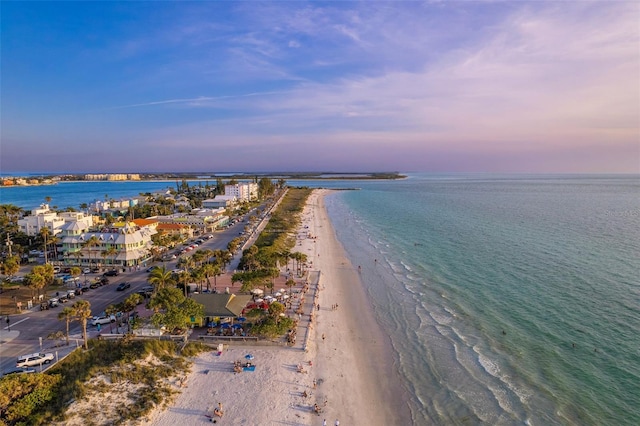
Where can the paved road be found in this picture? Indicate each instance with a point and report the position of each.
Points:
(26, 331)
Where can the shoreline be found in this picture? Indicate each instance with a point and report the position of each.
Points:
(349, 374)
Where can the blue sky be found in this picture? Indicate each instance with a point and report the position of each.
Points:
(320, 86)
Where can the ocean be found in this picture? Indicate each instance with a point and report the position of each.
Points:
(509, 300)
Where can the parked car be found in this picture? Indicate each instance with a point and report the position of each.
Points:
(18, 370)
(95, 284)
(53, 302)
(103, 320)
(151, 268)
(111, 273)
(104, 280)
(123, 286)
(86, 271)
(34, 359)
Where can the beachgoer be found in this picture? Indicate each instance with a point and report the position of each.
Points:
(323, 337)
(324, 422)
(315, 383)
(337, 422)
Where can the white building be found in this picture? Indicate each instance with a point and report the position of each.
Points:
(244, 191)
(41, 217)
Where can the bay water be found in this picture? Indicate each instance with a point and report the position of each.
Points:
(508, 299)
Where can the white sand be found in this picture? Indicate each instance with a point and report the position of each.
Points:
(351, 365)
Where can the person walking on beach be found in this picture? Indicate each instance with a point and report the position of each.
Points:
(323, 337)
(337, 422)
(324, 422)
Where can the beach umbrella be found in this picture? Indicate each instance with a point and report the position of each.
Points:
(225, 325)
(241, 319)
(286, 296)
(259, 300)
(278, 294)
(248, 356)
(257, 291)
(236, 326)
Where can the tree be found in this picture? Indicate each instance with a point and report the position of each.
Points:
(82, 312)
(67, 314)
(75, 272)
(53, 241)
(275, 309)
(173, 310)
(112, 251)
(112, 310)
(11, 266)
(130, 304)
(160, 278)
(90, 243)
(45, 232)
(35, 282)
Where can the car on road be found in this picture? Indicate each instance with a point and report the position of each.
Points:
(111, 273)
(123, 286)
(30, 360)
(86, 271)
(103, 320)
(95, 284)
(18, 370)
(53, 302)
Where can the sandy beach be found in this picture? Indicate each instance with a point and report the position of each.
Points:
(347, 362)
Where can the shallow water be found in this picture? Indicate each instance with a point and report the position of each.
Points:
(486, 284)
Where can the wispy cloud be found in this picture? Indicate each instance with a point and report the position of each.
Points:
(200, 101)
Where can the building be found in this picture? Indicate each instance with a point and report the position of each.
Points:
(39, 218)
(244, 191)
(219, 201)
(128, 245)
(200, 220)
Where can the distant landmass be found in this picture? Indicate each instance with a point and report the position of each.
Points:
(43, 179)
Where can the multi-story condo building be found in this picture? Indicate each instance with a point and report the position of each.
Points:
(39, 218)
(244, 191)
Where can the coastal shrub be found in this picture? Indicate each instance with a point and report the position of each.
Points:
(271, 328)
(42, 398)
(194, 348)
(24, 396)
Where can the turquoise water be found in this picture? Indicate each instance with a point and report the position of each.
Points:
(451, 262)
(486, 284)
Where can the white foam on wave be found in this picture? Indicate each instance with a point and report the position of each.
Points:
(441, 318)
(488, 365)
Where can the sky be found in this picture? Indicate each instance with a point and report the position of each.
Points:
(339, 86)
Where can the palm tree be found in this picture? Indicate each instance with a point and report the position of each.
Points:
(90, 243)
(45, 232)
(82, 312)
(67, 314)
(130, 304)
(112, 310)
(112, 251)
(53, 240)
(160, 278)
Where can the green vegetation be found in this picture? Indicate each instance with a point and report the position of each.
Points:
(43, 398)
(272, 248)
